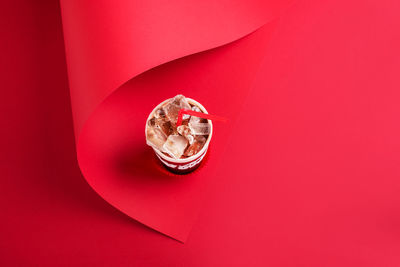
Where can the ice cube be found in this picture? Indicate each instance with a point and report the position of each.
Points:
(171, 111)
(163, 124)
(200, 128)
(196, 108)
(155, 137)
(197, 145)
(194, 119)
(159, 113)
(175, 146)
(182, 101)
(185, 122)
(166, 126)
(185, 131)
(172, 108)
(152, 122)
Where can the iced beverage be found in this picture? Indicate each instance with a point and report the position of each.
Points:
(180, 148)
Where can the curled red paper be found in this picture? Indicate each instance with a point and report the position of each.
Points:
(117, 54)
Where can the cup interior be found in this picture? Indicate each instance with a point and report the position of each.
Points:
(191, 158)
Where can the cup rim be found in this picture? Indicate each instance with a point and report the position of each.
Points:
(191, 158)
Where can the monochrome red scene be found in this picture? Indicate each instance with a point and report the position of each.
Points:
(200, 133)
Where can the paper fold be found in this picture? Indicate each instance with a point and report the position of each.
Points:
(109, 43)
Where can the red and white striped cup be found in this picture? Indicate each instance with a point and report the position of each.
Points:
(185, 165)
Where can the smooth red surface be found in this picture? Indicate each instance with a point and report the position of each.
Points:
(322, 192)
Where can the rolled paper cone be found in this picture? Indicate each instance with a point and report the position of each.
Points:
(198, 114)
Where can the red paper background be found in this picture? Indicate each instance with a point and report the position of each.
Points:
(110, 44)
(323, 192)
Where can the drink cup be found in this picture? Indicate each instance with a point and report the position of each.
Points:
(182, 165)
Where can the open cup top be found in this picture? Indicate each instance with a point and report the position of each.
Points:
(195, 156)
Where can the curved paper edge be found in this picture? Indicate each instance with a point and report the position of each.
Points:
(105, 46)
(83, 110)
